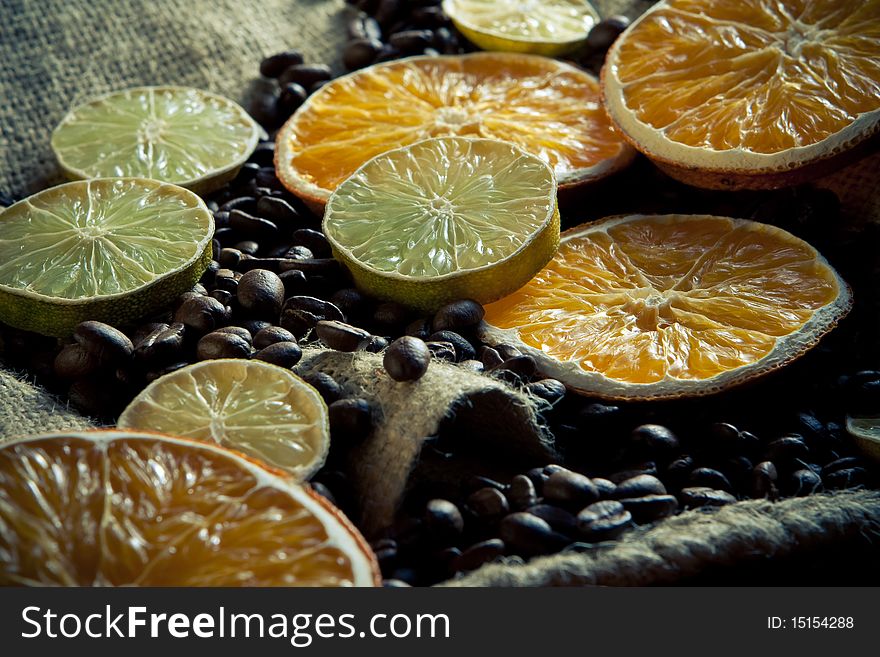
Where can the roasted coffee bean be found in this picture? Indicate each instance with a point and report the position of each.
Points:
(279, 211)
(271, 335)
(570, 489)
(248, 224)
(655, 438)
(313, 240)
(75, 362)
(282, 354)
(374, 344)
(209, 273)
(145, 331)
(328, 267)
(646, 468)
(305, 74)
(472, 366)
(350, 301)
(650, 508)
(198, 288)
(764, 476)
(340, 336)
(490, 357)
(803, 482)
(163, 346)
(603, 521)
(810, 427)
(248, 247)
(463, 349)
(109, 345)
(444, 351)
(478, 554)
(477, 482)
(227, 279)
(558, 518)
(359, 53)
(291, 97)
(601, 417)
(724, 433)
(846, 478)
(710, 478)
(550, 390)
(324, 492)
(507, 351)
(246, 173)
(223, 296)
(262, 108)
(406, 359)
(390, 315)
(443, 520)
(787, 448)
(302, 313)
(261, 293)
(640, 486)
(841, 464)
(411, 40)
(458, 315)
(276, 64)
(528, 535)
(520, 367)
(243, 203)
(168, 369)
(679, 471)
(700, 496)
(222, 345)
(325, 384)
(202, 314)
(350, 419)
(606, 31)
(488, 504)
(521, 493)
(229, 259)
(253, 326)
(605, 487)
(240, 331)
(553, 468)
(298, 253)
(295, 283)
(538, 477)
(95, 395)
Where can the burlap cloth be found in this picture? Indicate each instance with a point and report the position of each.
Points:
(54, 53)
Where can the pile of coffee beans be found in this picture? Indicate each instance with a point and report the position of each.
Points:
(273, 287)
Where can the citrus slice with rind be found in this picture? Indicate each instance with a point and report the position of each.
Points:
(115, 508)
(865, 431)
(662, 306)
(444, 219)
(253, 407)
(111, 249)
(180, 135)
(547, 107)
(748, 93)
(540, 27)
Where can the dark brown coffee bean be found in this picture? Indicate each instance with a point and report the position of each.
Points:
(95, 395)
(787, 448)
(221, 345)
(227, 279)
(340, 336)
(360, 53)
(109, 345)
(522, 367)
(278, 211)
(550, 390)
(528, 535)
(418, 328)
(295, 283)
(282, 354)
(298, 253)
(291, 97)
(603, 521)
(305, 74)
(75, 362)
(650, 508)
(606, 31)
(458, 315)
(521, 493)
(168, 369)
(313, 240)
(202, 314)
(390, 315)
(228, 259)
(243, 203)
(271, 335)
(443, 520)
(488, 504)
(248, 247)
(764, 476)
(374, 344)
(679, 471)
(570, 489)
(324, 492)
(490, 357)
(711, 478)
(846, 478)
(350, 301)
(478, 554)
(406, 359)
(444, 351)
(276, 64)
(164, 346)
(317, 266)
(350, 419)
(302, 313)
(640, 486)
(655, 438)
(411, 40)
(325, 384)
(648, 467)
(146, 330)
(804, 482)
(256, 227)
(477, 482)
(559, 519)
(700, 496)
(239, 331)
(472, 366)
(261, 293)
(842, 464)
(253, 326)
(507, 351)
(605, 487)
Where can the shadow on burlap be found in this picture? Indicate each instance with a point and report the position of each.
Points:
(55, 53)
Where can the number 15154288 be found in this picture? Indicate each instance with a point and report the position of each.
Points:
(810, 623)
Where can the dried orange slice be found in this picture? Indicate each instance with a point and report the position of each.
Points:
(546, 107)
(671, 305)
(748, 93)
(112, 508)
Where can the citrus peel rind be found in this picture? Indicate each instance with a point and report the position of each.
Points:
(113, 508)
(253, 407)
(110, 249)
(444, 219)
(865, 432)
(652, 307)
(189, 137)
(758, 94)
(545, 106)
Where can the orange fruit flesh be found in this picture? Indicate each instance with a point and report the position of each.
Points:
(152, 512)
(674, 297)
(761, 75)
(548, 108)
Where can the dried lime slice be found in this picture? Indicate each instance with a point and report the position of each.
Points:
(866, 434)
(540, 27)
(262, 410)
(180, 135)
(111, 249)
(443, 219)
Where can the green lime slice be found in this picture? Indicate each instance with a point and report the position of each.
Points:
(111, 249)
(180, 135)
(866, 434)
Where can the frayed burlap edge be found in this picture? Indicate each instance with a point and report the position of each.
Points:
(26, 409)
(686, 545)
